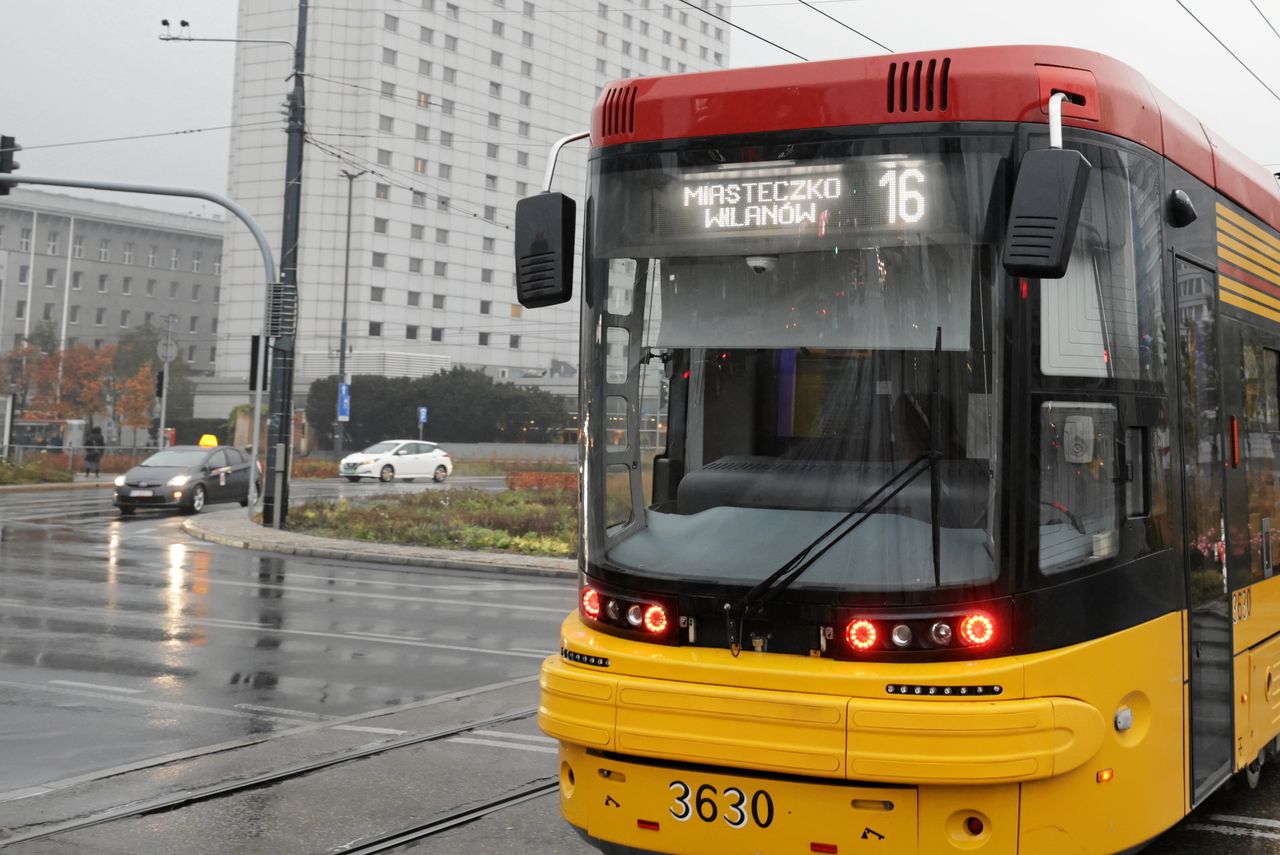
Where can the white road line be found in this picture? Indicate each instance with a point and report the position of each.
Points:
(282, 711)
(1246, 820)
(358, 728)
(534, 650)
(143, 702)
(26, 793)
(1233, 831)
(528, 737)
(512, 746)
(551, 584)
(96, 686)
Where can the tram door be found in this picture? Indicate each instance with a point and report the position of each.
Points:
(1203, 455)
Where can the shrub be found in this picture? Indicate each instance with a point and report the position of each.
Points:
(567, 481)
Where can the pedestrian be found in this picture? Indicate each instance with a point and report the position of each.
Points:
(93, 453)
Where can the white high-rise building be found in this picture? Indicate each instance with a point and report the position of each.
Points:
(451, 108)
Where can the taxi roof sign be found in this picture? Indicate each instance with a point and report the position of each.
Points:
(208, 441)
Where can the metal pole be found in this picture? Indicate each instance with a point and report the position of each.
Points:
(275, 503)
(66, 304)
(31, 275)
(164, 382)
(346, 282)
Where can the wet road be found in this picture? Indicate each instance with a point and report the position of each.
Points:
(124, 642)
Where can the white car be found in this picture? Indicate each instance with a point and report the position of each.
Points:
(398, 458)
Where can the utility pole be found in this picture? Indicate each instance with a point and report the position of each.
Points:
(346, 282)
(166, 359)
(275, 500)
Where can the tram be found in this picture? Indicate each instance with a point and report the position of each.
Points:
(961, 538)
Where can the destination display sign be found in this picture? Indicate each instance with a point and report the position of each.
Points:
(857, 201)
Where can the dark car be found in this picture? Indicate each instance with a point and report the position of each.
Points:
(186, 477)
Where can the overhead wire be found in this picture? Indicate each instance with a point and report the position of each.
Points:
(810, 5)
(156, 135)
(1223, 44)
(740, 28)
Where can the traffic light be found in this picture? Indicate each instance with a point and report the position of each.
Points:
(8, 146)
(160, 383)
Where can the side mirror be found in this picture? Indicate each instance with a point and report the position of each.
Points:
(1045, 213)
(545, 226)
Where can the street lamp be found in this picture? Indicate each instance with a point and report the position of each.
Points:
(342, 330)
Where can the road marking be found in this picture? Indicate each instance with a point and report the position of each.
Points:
(1246, 820)
(534, 650)
(285, 712)
(389, 731)
(503, 734)
(142, 702)
(512, 746)
(1232, 831)
(96, 686)
(14, 795)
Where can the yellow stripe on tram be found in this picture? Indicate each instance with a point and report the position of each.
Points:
(1225, 241)
(1243, 263)
(1226, 227)
(1261, 234)
(1248, 305)
(1242, 290)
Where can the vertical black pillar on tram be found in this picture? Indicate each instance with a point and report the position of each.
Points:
(1204, 455)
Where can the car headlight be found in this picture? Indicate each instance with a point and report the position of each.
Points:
(179, 480)
(119, 480)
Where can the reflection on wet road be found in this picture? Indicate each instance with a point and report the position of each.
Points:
(123, 638)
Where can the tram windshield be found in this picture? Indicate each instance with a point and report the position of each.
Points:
(773, 333)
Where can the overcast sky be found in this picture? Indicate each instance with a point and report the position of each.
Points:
(92, 69)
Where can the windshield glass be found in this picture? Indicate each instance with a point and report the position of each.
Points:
(380, 448)
(775, 333)
(176, 458)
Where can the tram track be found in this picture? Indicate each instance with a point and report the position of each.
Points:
(217, 791)
(534, 789)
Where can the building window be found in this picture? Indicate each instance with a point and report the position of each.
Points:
(217, 293)
(51, 243)
(379, 225)
(495, 89)
(442, 235)
(48, 312)
(497, 27)
(375, 329)
(490, 212)
(444, 170)
(388, 56)
(526, 98)
(76, 283)
(379, 259)
(50, 277)
(376, 293)
(522, 158)
(526, 38)
(446, 139)
(410, 331)
(486, 275)
(415, 298)
(390, 23)
(600, 68)
(384, 157)
(451, 43)
(526, 69)
(437, 334)
(213, 323)
(522, 189)
(77, 248)
(24, 241)
(419, 199)
(99, 317)
(491, 182)
(386, 124)
(424, 67)
(442, 203)
(173, 290)
(424, 100)
(415, 232)
(102, 283)
(420, 165)
(491, 151)
(483, 339)
(515, 342)
(487, 244)
(124, 317)
(194, 324)
(195, 292)
(486, 307)
(173, 260)
(104, 250)
(437, 301)
(420, 132)
(426, 34)
(191, 353)
(450, 75)
(446, 106)
(126, 285)
(151, 256)
(151, 287)
(381, 191)
(128, 253)
(23, 273)
(495, 58)
(147, 316)
(516, 310)
(73, 315)
(213, 353)
(388, 89)
(415, 265)
(195, 262)
(21, 311)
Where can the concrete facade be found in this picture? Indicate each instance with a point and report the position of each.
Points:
(450, 108)
(90, 271)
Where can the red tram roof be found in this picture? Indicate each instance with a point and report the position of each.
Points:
(993, 84)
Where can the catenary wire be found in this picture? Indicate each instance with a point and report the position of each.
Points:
(1223, 44)
(743, 29)
(809, 4)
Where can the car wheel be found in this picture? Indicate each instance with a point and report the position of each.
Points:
(440, 474)
(354, 479)
(127, 512)
(386, 474)
(197, 500)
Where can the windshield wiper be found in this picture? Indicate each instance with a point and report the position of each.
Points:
(780, 579)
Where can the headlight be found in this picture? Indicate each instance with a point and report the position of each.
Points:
(119, 480)
(179, 480)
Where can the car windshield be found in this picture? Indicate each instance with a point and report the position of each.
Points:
(176, 458)
(776, 333)
(380, 448)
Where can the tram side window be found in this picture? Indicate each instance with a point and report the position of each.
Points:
(1079, 512)
(1260, 451)
(1104, 318)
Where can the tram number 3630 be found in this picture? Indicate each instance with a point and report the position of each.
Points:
(733, 805)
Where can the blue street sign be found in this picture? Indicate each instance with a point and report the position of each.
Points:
(344, 402)
(422, 415)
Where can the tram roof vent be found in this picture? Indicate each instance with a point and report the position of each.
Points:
(919, 85)
(619, 111)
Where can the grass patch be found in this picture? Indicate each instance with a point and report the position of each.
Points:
(36, 472)
(493, 467)
(524, 522)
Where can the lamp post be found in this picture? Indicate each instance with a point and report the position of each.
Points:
(342, 330)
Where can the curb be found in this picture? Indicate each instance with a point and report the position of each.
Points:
(309, 546)
(63, 485)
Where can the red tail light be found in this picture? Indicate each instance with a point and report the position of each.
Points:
(591, 603)
(655, 619)
(977, 629)
(861, 634)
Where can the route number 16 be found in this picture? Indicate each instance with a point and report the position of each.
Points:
(905, 203)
